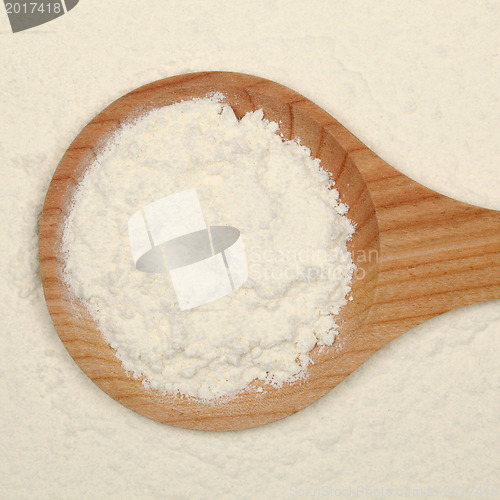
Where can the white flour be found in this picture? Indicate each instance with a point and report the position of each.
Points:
(246, 176)
(418, 83)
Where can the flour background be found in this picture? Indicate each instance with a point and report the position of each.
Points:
(418, 83)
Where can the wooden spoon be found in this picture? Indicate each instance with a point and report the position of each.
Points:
(419, 254)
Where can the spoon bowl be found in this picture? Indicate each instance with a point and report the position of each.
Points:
(418, 253)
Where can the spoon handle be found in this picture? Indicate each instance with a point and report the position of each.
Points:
(435, 253)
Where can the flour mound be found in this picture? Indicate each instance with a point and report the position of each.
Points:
(293, 228)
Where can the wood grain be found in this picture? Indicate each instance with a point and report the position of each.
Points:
(419, 254)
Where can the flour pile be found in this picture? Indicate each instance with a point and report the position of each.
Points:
(294, 230)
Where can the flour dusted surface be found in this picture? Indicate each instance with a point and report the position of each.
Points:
(431, 396)
(293, 229)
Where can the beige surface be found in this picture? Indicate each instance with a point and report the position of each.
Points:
(415, 81)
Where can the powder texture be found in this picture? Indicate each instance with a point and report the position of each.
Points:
(293, 229)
